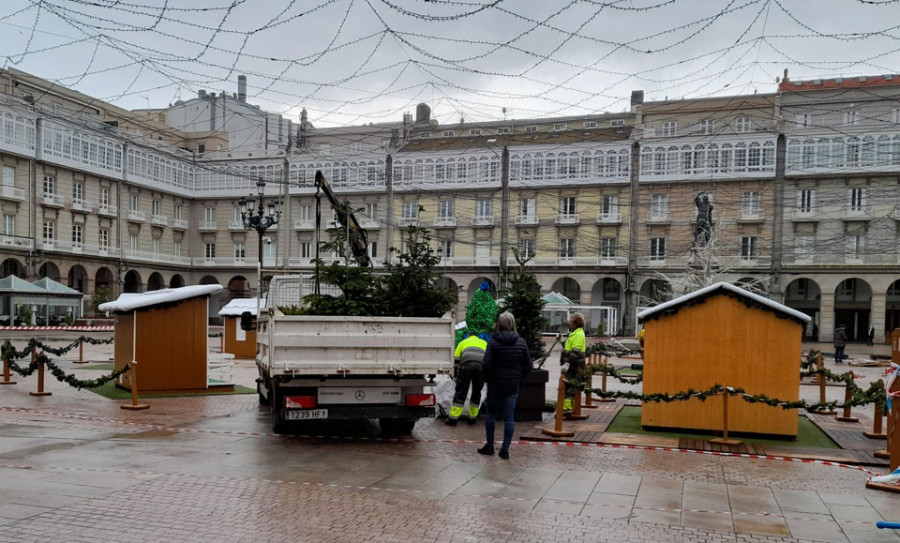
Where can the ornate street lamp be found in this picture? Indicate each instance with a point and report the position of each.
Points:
(263, 217)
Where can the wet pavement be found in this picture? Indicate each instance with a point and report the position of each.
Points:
(75, 467)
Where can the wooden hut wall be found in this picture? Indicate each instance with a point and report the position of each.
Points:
(722, 341)
(122, 352)
(240, 349)
(171, 346)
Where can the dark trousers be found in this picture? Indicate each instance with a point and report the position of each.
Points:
(839, 354)
(468, 373)
(498, 405)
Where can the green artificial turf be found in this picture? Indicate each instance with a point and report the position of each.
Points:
(628, 421)
(105, 367)
(110, 391)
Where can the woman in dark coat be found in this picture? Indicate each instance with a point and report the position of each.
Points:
(506, 364)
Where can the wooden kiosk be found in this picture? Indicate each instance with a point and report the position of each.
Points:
(165, 332)
(724, 335)
(240, 343)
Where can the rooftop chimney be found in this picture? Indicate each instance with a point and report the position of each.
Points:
(423, 114)
(201, 93)
(637, 98)
(242, 88)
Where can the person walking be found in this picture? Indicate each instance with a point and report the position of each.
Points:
(506, 364)
(469, 354)
(840, 341)
(871, 336)
(572, 361)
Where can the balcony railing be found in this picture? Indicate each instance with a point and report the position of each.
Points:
(136, 216)
(180, 224)
(658, 216)
(444, 222)
(304, 224)
(107, 210)
(159, 220)
(526, 220)
(857, 213)
(751, 215)
(825, 259)
(149, 256)
(236, 225)
(568, 218)
(804, 215)
(16, 242)
(81, 205)
(408, 221)
(612, 217)
(53, 200)
(208, 226)
(12, 193)
(483, 220)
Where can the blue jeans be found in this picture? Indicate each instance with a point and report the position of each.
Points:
(839, 354)
(497, 404)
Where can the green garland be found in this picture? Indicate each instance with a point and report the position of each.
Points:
(34, 344)
(9, 354)
(611, 371)
(606, 349)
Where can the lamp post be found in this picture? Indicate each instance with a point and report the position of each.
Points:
(263, 217)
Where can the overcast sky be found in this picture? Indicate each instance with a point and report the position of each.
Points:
(359, 61)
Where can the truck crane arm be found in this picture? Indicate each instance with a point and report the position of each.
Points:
(358, 239)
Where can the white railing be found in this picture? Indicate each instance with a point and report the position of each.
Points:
(613, 217)
(366, 222)
(523, 220)
(304, 224)
(658, 216)
(160, 220)
(12, 193)
(81, 205)
(408, 221)
(106, 209)
(180, 224)
(483, 220)
(568, 218)
(804, 215)
(53, 200)
(751, 215)
(17, 242)
(236, 225)
(857, 212)
(136, 216)
(444, 221)
(207, 225)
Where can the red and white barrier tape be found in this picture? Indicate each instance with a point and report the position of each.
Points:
(67, 328)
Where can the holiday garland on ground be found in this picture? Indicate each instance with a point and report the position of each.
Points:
(9, 354)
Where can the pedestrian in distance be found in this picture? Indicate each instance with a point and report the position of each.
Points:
(506, 364)
(840, 341)
(871, 336)
(572, 360)
(469, 356)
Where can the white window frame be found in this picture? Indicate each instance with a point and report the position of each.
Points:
(77, 235)
(103, 238)
(484, 207)
(9, 176)
(49, 185)
(669, 128)
(410, 210)
(568, 205)
(608, 247)
(9, 224)
(806, 200)
(742, 124)
(240, 251)
(659, 205)
(749, 247)
(566, 248)
(446, 209)
(48, 234)
(527, 247)
(134, 202)
(707, 126)
(751, 203)
(209, 251)
(658, 249)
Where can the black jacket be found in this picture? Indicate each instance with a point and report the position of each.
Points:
(506, 363)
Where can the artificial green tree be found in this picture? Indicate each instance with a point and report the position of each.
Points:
(481, 313)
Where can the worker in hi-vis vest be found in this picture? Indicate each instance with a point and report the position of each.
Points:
(573, 356)
(469, 354)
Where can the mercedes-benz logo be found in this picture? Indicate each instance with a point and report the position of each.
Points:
(360, 395)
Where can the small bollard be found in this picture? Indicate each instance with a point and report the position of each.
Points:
(877, 427)
(591, 366)
(80, 353)
(557, 430)
(724, 439)
(822, 384)
(846, 416)
(603, 383)
(134, 406)
(40, 391)
(576, 407)
(6, 376)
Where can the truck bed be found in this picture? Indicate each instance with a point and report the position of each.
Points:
(355, 346)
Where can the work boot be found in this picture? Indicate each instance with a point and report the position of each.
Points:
(471, 421)
(450, 422)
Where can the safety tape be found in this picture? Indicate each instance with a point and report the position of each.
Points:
(162, 428)
(419, 492)
(69, 328)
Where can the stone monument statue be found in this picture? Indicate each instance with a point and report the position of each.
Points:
(703, 229)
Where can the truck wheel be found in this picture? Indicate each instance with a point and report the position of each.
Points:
(263, 399)
(396, 426)
(278, 425)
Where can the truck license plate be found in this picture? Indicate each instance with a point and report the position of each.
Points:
(306, 414)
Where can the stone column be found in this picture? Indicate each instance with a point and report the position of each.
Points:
(876, 315)
(826, 317)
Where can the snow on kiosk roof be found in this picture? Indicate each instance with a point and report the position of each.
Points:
(672, 306)
(132, 301)
(237, 306)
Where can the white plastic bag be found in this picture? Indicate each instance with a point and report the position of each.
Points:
(443, 394)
